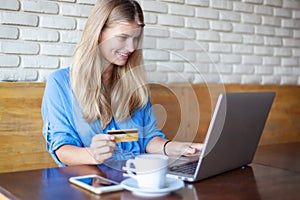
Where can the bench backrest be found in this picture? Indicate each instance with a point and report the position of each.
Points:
(22, 146)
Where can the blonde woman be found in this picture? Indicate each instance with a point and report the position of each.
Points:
(104, 89)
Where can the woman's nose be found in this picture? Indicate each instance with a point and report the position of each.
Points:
(131, 45)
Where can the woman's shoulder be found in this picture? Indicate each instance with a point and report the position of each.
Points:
(60, 74)
(59, 79)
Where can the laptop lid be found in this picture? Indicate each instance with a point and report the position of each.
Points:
(233, 135)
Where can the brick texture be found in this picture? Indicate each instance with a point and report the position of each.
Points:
(213, 41)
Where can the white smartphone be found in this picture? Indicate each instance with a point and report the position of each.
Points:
(96, 184)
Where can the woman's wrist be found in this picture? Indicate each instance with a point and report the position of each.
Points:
(172, 148)
(165, 147)
(91, 157)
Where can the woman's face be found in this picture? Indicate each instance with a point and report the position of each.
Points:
(119, 41)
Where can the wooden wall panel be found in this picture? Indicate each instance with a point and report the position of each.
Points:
(183, 112)
(283, 124)
(22, 146)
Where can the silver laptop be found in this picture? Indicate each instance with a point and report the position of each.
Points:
(232, 138)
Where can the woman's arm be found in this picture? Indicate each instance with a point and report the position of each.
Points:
(101, 149)
(73, 155)
(173, 148)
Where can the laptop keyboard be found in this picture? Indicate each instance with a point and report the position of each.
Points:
(187, 168)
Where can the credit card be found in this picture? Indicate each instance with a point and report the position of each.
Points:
(124, 135)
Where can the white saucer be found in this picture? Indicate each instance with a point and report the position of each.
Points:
(171, 185)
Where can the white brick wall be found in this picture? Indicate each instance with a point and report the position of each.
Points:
(228, 41)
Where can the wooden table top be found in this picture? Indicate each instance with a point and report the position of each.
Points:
(274, 174)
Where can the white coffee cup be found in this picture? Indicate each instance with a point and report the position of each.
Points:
(149, 170)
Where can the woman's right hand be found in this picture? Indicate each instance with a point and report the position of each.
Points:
(102, 147)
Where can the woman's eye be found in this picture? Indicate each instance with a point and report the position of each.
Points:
(122, 38)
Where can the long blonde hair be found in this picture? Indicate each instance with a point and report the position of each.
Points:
(129, 90)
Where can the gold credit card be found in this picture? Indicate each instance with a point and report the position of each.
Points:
(124, 135)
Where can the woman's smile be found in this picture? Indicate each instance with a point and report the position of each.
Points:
(122, 55)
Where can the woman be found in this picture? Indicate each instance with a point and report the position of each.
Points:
(104, 89)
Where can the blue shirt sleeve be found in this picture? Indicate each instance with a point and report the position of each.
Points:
(150, 126)
(58, 129)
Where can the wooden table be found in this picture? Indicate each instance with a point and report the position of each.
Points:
(274, 174)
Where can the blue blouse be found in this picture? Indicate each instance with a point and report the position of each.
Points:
(63, 122)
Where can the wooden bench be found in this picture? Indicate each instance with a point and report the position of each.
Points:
(22, 146)
(183, 111)
(283, 124)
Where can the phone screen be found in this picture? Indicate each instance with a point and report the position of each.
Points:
(95, 181)
(96, 184)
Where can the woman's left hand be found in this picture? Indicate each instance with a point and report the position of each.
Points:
(192, 149)
(183, 148)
